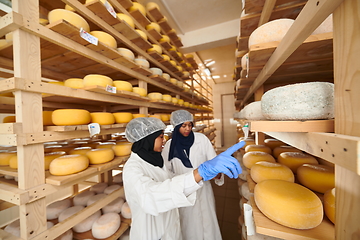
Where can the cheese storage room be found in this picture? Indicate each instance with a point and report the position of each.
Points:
(192, 119)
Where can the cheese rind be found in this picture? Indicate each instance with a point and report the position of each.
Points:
(319, 178)
(69, 16)
(102, 118)
(69, 212)
(105, 38)
(250, 158)
(82, 198)
(97, 80)
(54, 209)
(106, 225)
(329, 204)
(68, 164)
(261, 171)
(294, 160)
(68, 117)
(100, 155)
(258, 148)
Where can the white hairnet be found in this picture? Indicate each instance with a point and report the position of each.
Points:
(138, 128)
(180, 116)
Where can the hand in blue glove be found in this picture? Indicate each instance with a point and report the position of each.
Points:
(222, 163)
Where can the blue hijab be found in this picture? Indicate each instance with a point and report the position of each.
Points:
(180, 146)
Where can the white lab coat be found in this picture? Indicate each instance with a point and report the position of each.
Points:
(198, 222)
(154, 198)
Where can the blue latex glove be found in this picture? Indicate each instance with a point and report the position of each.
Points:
(222, 163)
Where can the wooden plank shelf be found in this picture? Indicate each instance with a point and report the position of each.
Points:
(155, 34)
(125, 3)
(126, 94)
(82, 127)
(6, 170)
(140, 18)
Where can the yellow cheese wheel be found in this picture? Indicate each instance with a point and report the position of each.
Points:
(278, 150)
(273, 143)
(174, 100)
(173, 81)
(43, 21)
(158, 116)
(123, 85)
(165, 57)
(179, 68)
(164, 38)
(155, 48)
(319, 178)
(138, 115)
(97, 79)
(69, 8)
(49, 157)
(288, 204)
(173, 63)
(100, 155)
(165, 117)
(47, 118)
(180, 84)
(122, 149)
(127, 53)
(186, 74)
(153, 25)
(123, 117)
(102, 118)
(151, 5)
(186, 104)
(250, 158)
(13, 162)
(142, 62)
(69, 16)
(9, 119)
(181, 101)
(125, 18)
(166, 76)
(248, 141)
(137, 6)
(5, 158)
(155, 96)
(261, 171)
(141, 91)
(68, 164)
(293, 160)
(142, 34)
(80, 150)
(329, 204)
(258, 148)
(167, 98)
(105, 38)
(76, 83)
(66, 117)
(105, 145)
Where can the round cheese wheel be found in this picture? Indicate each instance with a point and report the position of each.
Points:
(167, 98)
(67, 117)
(69, 16)
(173, 63)
(68, 164)
(80, 150)
(173, 80)
(166, 76)
(329, 204)
(141, 91)
(142, 34)
(97, 79)
(273, 143)
(125, 18)
(105, 38)
(100, 155)
(106, 225)
(138, 115)
(294, 160)
(102, 118)
(142, 62)
(250, 158)
(111, 188)
(69, 212)
(114, 206)
(123, 85)
(186, 74)
(261, 171)
(76, 83)
(151, 5)
(5, 158)
(164, 38)
(155, 48)
(13, 228)
(155, 96)
(165, 57)
(186, 104)
(9, 119)
(122, 149)
(319, 178)
(47, 118)
(105, 145)
(245, 191)
(49, 157)
(87, 223)
(156, 71)
(181, 102)
(278, 150)
(123, 117)
(165, 117)
(95, 198)
(68, 235)
(126, 211)
(54, 209)
(174, 100)
(180, 84)
(248, 141)
(13, 162)
(258, 148)
(288, 204)
(127, 53)
(137, 6)
(99, 187)
(82, 198)
(153, 25)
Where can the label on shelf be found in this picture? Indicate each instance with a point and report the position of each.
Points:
(110, 9)
(110, 89)
(88, 37)
(246, 129)
(94, 129)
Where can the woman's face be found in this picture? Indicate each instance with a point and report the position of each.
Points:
(186, 128)
(159, 142)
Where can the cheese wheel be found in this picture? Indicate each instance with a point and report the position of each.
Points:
(166, 76)
(105, 145)
(181, 102)
(180, 84)
(155, 48)
(319, 178)
(125, 18)
(142, 62)
(68, 7)
(111, 188)
(245, 191)
(67, 117)
(54, 209)
(97, 79)
(186, 104)
(250, 158)
(9, 177)
(174, 100)
(278, 150)
(80, 150)
(76, 83)
(164, 38)
(47, 118)
(294, 160)
(173, 80)
(13, 228)
(273, 143)
(127, 53)
(165, 117)
(69, 212)
(165, 57)
(87, 223)
(138, 115)
(5, 158)
(258, 148)
(123, 85)
(288, 204)
(122, 149)
(106, 225)
(100, 155)
(13, 162)
(186, 74)
(68, 164)
(99, 187)
(261, 171)
(114, 206)
(126, 211)
(69, 16)
(142, 34)
(102, 118)
(153, 25)
(141, 91)
(248, 141)
(123, 117)
(9, 119)
(137, 6)
(82, 198)
(151, 5)
(49, 157)
(95, 198)
(167, 98)
(155, 96)
(49, 224)
(105, 38)
(68, 235)
(156, 71)
(173, 63)
(329, 204)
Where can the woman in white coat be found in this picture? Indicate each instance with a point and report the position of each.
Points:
(182, 154)
(153, 196)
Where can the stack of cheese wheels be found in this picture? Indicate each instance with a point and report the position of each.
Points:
(114, 206)
(127, 53)
(122, 149)
(273, 143)
(67, 117)
(99, 187)
(155, 96)
(80, 150)
(106, 225)
(82, 198)
(250, 158)
(278, 150)
(100, 155)
(261, 171)
(68, 164)
(69, 16)
(329, 204)
(294, 160)
(102, 118)
(5, 158)
(97, 80)
(111, 188)
(95, 198)
(123, 117)
(105, 38)
(49, 157)
(123, 85)
(141, 91)
(319, 178)
(126, 18)
(76, 83)
(54, 209)
(258, 148)
(288, 204)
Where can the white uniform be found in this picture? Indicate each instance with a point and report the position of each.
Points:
(154, 198)
(198, 222)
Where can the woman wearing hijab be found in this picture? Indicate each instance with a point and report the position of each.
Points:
(183, 153)
(152, 194)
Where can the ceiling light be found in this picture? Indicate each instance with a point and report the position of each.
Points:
(216, 76)
(207, 71)
(209, 63)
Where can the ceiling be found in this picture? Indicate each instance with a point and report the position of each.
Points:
(208, 28)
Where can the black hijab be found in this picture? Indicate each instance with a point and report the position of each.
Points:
(145, 149)
(180, 146)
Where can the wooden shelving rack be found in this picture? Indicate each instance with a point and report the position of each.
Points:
(335, 141)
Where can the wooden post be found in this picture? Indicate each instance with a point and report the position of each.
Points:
(259, 136)
(347, 113)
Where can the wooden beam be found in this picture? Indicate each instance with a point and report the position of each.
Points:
(266, 12)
